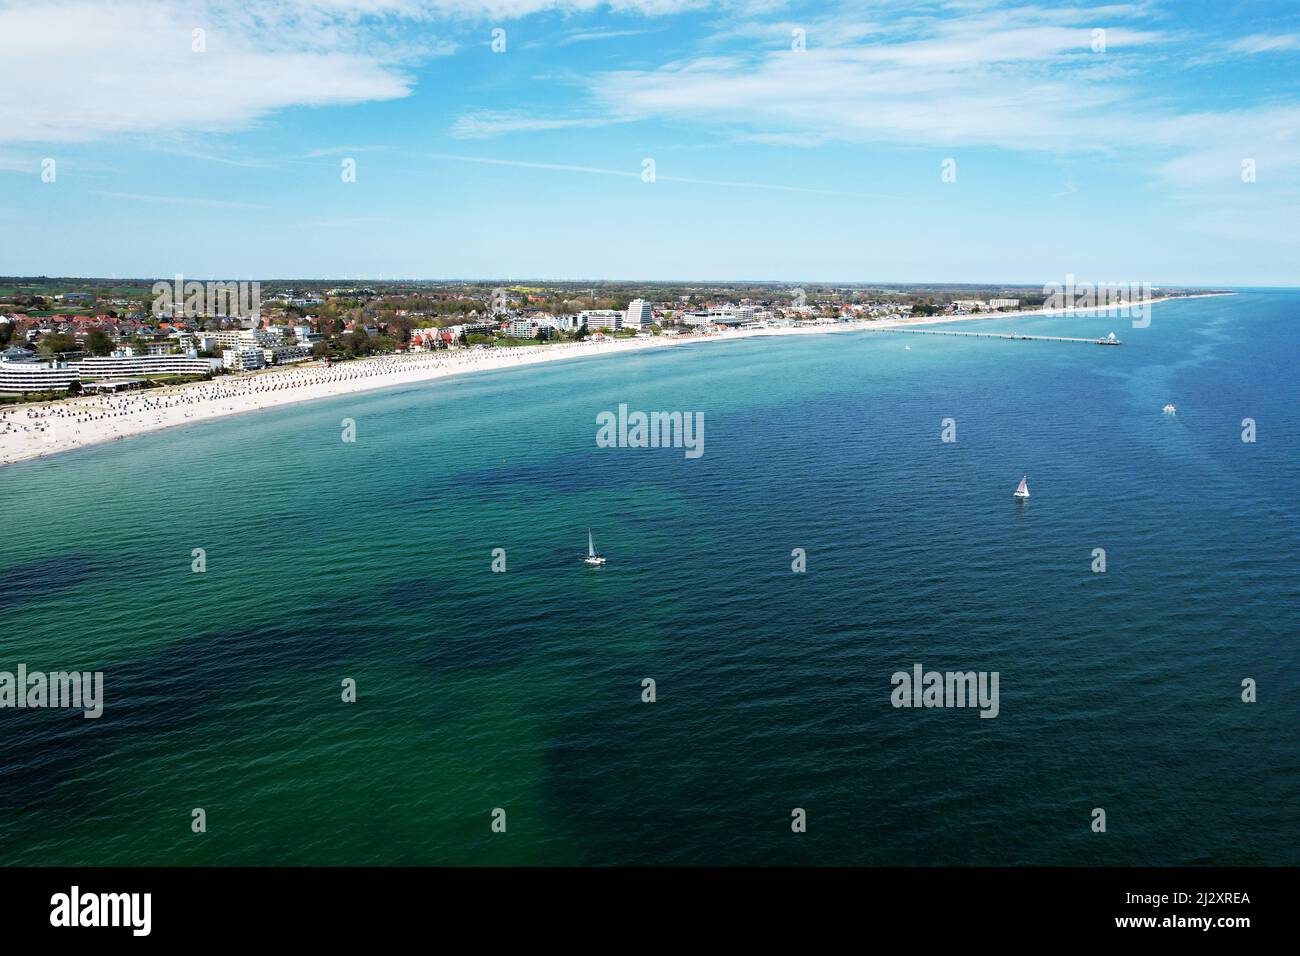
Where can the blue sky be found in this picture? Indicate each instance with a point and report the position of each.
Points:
(1114, 156)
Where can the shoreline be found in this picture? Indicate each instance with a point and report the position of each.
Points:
(36, 431)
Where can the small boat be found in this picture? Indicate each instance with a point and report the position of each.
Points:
(1023, 490)
(1171, 409)
(592, 557)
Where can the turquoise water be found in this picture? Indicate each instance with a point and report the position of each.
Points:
(522, 690)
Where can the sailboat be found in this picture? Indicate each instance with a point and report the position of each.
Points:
(1023, 490)
(1171, 409)
(592, 557)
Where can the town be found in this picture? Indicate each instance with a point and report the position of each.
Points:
(69, 337)
(107, 336)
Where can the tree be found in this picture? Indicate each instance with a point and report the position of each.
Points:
(358, 342)
(98, 342)
(400, 326)
(57, 342)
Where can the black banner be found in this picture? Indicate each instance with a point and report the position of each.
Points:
(331, 905)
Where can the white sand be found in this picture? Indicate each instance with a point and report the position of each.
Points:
(34, 431)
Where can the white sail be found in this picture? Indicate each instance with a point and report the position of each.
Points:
(591, 546)
(1023, 490)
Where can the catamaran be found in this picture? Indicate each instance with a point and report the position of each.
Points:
(592, 556)
(1023, 490)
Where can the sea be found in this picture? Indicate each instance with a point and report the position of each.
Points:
(389, 651)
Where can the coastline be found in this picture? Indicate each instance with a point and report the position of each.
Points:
(37, 431)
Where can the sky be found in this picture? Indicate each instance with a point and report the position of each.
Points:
(962, 141)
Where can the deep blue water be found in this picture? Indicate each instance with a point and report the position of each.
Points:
(522, 690)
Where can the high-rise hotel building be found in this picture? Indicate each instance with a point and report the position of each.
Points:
(639, 314)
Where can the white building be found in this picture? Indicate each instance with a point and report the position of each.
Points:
(725, 316)
(1003, 303)
(547, 322)
(125, 363)
(240, 339)
(286, 354)
(22, 376)
(519, 328)
(219, 339)
(259, 338)
(639, 314)
(601, 319)
(242, 360)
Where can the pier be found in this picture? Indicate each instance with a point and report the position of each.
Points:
(1108, 340)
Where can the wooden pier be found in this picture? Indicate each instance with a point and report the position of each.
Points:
(1108, 340)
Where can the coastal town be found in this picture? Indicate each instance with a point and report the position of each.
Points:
(79, 369)
(58, 342)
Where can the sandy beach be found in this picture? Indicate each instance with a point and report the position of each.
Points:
(35, 431)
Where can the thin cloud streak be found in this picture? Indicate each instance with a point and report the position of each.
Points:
(600, 171)
(179, 200)
(594, 35)
(489, 124)
(223, 160)
(342, 151)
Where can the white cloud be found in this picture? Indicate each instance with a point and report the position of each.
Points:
(81, 70)
(988, 80)
(489, 123)
(1014, 78)
(1212, 146)
(1266, 43)
(593, 35)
